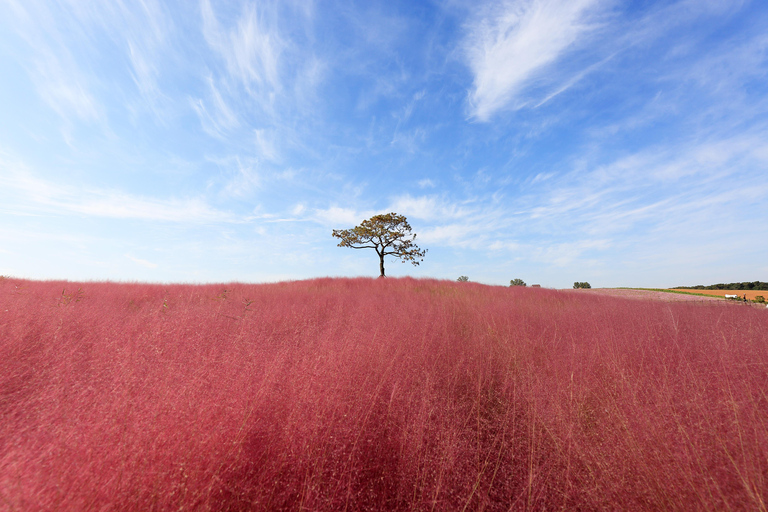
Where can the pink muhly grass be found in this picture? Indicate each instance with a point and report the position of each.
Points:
(368, 394)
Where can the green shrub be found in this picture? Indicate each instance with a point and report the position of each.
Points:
(760, 299)
(517, 282)
(579, 284)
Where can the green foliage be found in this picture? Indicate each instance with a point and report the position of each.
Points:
(754, 285)
(517, 282)
(579, 284)
(463, 279)
(760, 299)
(388, 234)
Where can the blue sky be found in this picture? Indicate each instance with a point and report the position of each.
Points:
(620, 143)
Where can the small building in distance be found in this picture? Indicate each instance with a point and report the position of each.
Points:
(535, 286)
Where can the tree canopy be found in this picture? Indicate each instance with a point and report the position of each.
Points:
(388, 234)
(754, 285)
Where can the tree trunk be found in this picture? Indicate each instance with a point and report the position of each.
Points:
(381, 265)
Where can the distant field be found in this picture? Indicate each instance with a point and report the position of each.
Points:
(673, 294)
(645, 294)
(751, 294)
(377, 394)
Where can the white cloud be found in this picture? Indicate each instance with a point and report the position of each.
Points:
(33, 195)
(65, 91)
(266, 144)
(409, 108)
(426, 207)
(265, 71)
(461, 235)
(125, 206)
(542, 176)
(221, 119)
(64, 38)
(513, 42)
(245, 179)
(252, 48)
(145, 29)
(436, 221)
(144, 70)
(341, 218)
(409, 140)
(565, 254)
(572, 81)
(681, 190)
(426, 183)
(500, 245)
(143, 263)
(524, 53)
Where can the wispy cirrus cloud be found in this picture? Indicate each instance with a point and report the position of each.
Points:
(266, 52)
(251, 48)
(262, 73)
(118, 205)
(596, 129)
(219, 119)
(523, 53)
(660, 195)
(61, 39)
(31, 195)
(683, 189)
(426, 210)
(143, 31)
(426, 183)
(340, 217)
(143, 263)
(427, 207)
(513, 42)
(51, 65)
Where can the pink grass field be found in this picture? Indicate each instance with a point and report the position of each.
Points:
(376, 394)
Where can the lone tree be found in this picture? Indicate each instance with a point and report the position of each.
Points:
(388, 234)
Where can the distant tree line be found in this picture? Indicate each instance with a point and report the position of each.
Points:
(754, 285)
